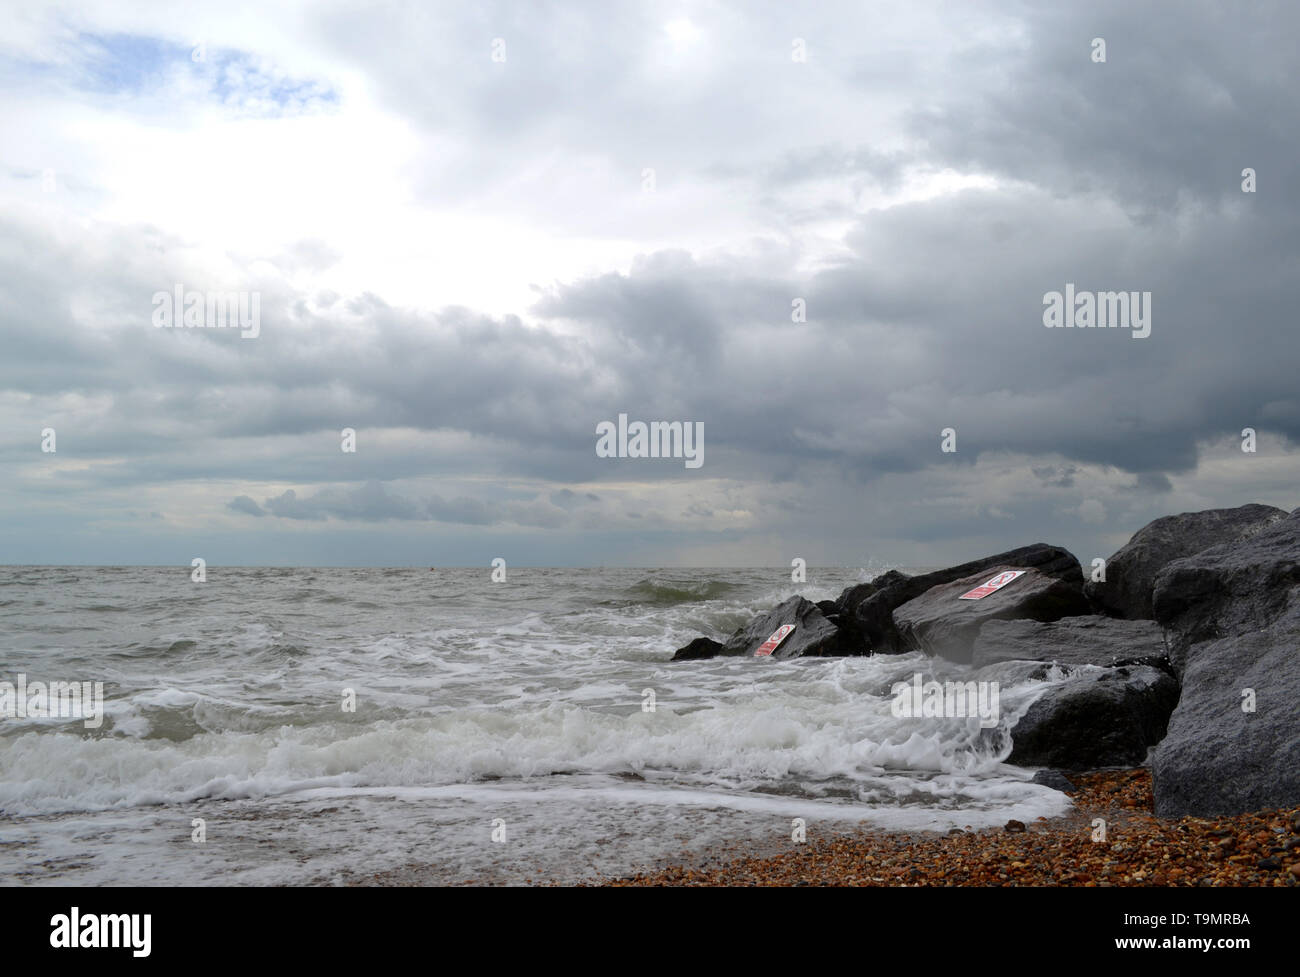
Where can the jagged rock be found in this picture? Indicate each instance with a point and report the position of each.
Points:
(938, 622)
(1230, 589)
(1218, 758)
(1236, 610)
(871, 605)
(699, 648)
(1104, 717)
(1086, 640)
(814, 635)
(1055, 780)
(851, 640)
(1131, 572)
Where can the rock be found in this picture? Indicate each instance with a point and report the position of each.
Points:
(814, 634)
(1269, 864)
(1107, 717)
(1086, 640)
(850, 632)
(1235, 611)
(1230, 589)
(1055, 780)
(938, 622)
(699, 648)
(871, 605)
(1015, 826)
(1131, 572)
(1218, 759)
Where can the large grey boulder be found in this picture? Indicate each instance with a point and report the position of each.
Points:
(1131, 572)
(1219, 758)
(1100, 717)
(939, 622)
(1235, 611)
(871, 605)
(1085, 640)
(813, 634)
(1230, 589)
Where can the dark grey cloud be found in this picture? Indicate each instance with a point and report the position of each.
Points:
(1060, 476)
(243, 504)
(1190, 94)
(569, 499)
(369, 502)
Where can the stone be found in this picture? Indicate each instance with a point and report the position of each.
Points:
(1132, 570)
(1230, 589)
(1217, 758)
(813, 634)
(1055, 780)
(871, 605)
(938, 622)
(699, 648)
(1098, 717)
(1083, 640)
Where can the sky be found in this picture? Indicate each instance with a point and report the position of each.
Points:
(474, 232)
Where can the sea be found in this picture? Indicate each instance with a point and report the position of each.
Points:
(339, 726)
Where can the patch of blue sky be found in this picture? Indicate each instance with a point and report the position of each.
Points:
(121, 64)
(132, 64)
(246, 82)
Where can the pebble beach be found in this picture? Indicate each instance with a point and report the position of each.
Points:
(1139, 849)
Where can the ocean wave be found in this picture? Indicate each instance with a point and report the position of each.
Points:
(805, 731)
(665, 593)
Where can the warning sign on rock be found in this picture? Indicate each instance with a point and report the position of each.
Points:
(777, 636)
(988, 586)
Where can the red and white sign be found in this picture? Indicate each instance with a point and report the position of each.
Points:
(988, 586)
(770, 645)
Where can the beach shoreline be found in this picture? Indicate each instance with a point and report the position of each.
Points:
(1139, 849)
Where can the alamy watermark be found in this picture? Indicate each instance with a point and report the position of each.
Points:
(179, 309)
(658, 439)
(130, 931)
(920, 699)
(1098, 310)
(53, 700)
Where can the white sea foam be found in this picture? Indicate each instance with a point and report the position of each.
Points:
(797, 724)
